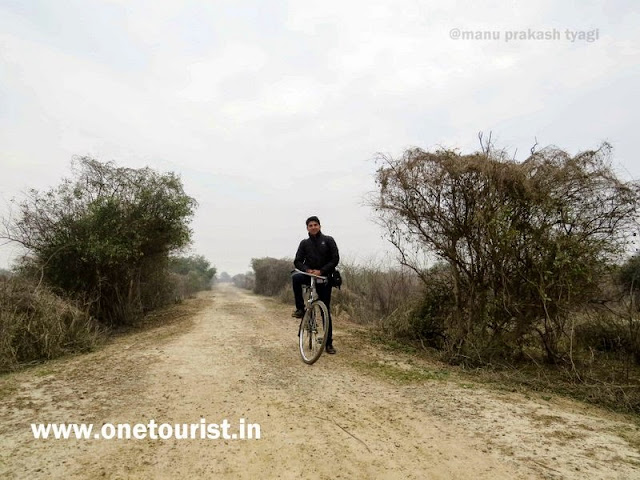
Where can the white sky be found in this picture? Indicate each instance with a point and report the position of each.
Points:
(271, 111)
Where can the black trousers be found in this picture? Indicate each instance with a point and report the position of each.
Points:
(324, 292)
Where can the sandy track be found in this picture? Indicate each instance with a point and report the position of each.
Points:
(364, 413)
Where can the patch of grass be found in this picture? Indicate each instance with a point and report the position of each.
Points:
(400, 373)
(592, 386)
(389, 344)
(524, 378)
(566, 434)
(631, 435)
(547, 419)
(43, 372)
(549, 381)
(7, 387)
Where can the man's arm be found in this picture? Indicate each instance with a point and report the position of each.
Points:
(331, 265)
(298, 262)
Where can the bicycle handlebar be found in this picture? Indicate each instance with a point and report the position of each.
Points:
(309, 274)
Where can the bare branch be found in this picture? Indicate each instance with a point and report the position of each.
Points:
(533, 148)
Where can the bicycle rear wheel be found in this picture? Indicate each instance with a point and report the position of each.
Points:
(314, 329)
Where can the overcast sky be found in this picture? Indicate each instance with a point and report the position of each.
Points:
(271, 111)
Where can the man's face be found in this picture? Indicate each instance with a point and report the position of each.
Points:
(313, 227)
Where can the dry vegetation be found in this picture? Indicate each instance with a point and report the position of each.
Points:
(100, 252)
(37, 325)
(527, 286)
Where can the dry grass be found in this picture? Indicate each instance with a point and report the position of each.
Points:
(398, 372)
(593, 385)
(374, 294)
(388, 302)
(37, 325)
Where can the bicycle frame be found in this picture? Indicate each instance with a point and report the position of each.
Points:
(311, 341)
(311, 292)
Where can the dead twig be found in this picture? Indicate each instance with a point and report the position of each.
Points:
(346, 431)
(533, 149)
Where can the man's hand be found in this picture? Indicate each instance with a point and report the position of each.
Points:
(314, 272)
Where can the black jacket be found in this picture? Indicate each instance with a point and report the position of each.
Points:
(317, 253)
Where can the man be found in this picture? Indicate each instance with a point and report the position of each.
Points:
(317, 255)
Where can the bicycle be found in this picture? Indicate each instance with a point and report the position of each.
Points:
(314, 326)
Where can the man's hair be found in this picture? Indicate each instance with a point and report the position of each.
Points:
(313, 219)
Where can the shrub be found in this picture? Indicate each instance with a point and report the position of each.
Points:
(371, 294)
(526, 242)
(271, 275)
(628, 279)
(37, 325)
(98, 236)
(196, 270)
(160, 287)
(429, 317)
(244, 280)
(603, 333)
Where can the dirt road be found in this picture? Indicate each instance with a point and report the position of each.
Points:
(365, 413)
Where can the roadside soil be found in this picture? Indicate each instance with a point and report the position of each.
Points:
(365, 413)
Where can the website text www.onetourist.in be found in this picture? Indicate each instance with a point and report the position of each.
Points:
(151, 430)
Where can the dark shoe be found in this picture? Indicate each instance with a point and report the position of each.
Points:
(298, 314)
(330, 349)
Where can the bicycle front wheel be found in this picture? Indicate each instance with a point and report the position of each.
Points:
(314, 329)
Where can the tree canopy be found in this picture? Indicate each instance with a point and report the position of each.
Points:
(525, 242)
(99, 234)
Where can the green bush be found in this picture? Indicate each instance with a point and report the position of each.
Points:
(429, 318)
(160, 287)
(602, 333)
(99, 236)
(196, 272)
(610, 333)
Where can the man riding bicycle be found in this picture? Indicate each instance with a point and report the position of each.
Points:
(317, 255)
